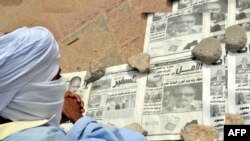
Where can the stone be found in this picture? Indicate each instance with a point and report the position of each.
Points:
(195, 132)
(208, 50)
(233, 119)
(136, 127)
(95, 71)
(235, 38)
(140, 62)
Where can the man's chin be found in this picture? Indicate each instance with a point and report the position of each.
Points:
(182, 105)
(184, 29)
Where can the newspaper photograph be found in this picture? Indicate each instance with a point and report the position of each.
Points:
(76, 84)
(238, 84)
(173, 91)
(172, 34)
(200, 6)
(115, 98)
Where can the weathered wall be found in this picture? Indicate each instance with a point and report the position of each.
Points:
(106, 30)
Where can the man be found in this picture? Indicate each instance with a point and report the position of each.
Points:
(32, 92)
(183, 99)
(74, 84)
(184, 24)
(216, 111)
(241, 99)
(219, 76)
(244, 64)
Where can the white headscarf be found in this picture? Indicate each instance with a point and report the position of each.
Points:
(29, 60)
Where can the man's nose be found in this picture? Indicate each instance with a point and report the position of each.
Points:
(183, 96)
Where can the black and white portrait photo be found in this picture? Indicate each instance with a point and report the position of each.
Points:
(184, 25)
(240, 98)
(242, 64)
(217, 110)
(182, 98)
(218, 75)
(219, 6)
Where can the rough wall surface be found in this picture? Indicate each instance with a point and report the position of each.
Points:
(109, 31)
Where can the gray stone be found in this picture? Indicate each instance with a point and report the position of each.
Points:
(140, 62)
(208, 50)
(195, 132)
(136, 127)
(235, 38)
(234, 119)
(95, 71)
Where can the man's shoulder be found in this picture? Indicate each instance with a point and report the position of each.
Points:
(48, 133)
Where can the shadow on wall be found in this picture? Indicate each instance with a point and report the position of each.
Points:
(10, 2)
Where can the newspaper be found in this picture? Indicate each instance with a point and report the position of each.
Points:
(76, 84)
(173, 91)
(158, 45)
(116, 98)
(215, 76)
(238, 84)
(200, 6)
(239, 68)
(172, 35)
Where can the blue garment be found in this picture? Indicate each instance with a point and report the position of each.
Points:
(85, 129)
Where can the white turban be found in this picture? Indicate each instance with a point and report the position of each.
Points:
(29, 60)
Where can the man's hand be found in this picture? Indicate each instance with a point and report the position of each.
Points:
(73, 107)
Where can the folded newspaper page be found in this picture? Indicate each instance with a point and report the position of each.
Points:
(76, 84)
(238, 85)
(172, 35)
(116, 98)
(239, 68)
(215, 76)
(173, 98)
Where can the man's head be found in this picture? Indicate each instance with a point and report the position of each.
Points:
(219, 72)
(241, 97)
(216, 109)
(29, 66)
(74, 84)
(213, 7)
(244, 60)
(183, 96)
(184, 24)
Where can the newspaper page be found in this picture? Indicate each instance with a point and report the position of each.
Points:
(239, 68)
(75, 84)
(238, 84)
(116, 98)
(200, 6)
(215, 76)
(173, 98)
(172, 35)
